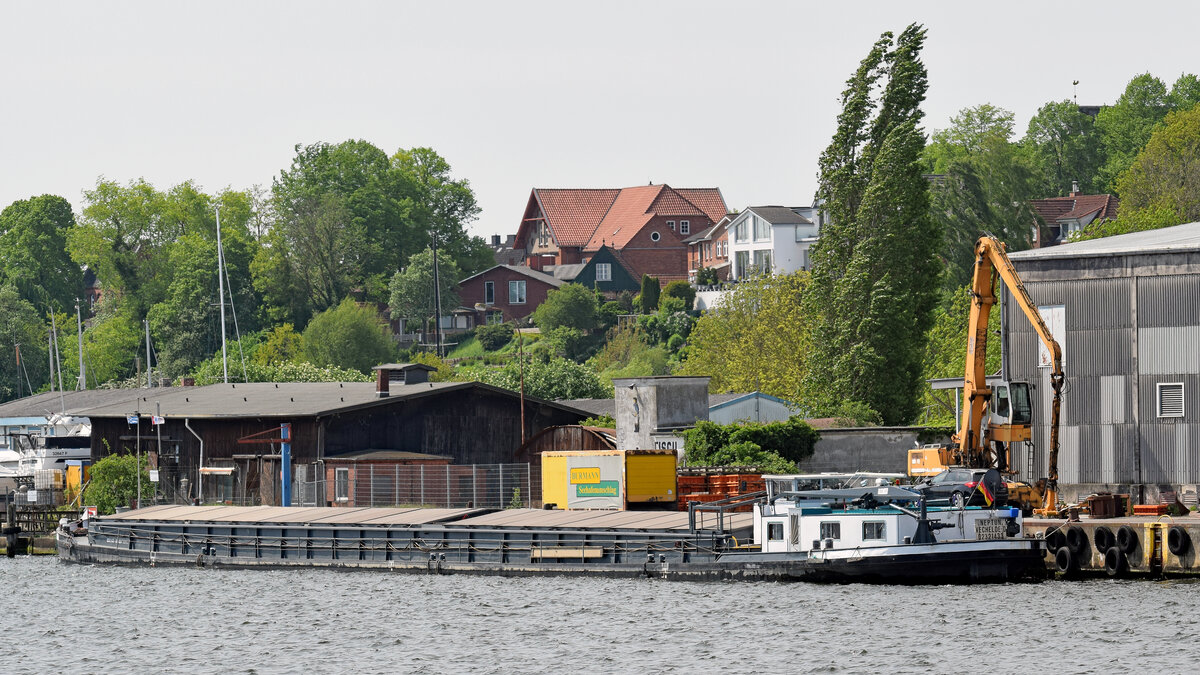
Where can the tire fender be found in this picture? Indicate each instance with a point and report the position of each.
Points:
(1127, 539)
(1115, 563)
(1178, 540)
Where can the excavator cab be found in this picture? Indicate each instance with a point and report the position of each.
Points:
(1010, 412)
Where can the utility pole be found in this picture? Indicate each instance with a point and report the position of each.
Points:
(437, 296)
(149, 369)
(139, 452)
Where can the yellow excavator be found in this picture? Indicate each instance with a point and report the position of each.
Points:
(995, 417)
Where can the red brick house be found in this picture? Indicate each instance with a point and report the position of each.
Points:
(710, 248)
(1060, 217)
(645, 226)
(514, 290)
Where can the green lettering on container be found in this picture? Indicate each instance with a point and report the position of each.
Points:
(605, 488)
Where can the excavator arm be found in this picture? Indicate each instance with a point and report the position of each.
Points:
(991, 262)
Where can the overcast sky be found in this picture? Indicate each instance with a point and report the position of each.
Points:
(736, 95)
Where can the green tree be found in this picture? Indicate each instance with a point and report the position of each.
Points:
(348, 336)
(114, 483)
(987, 187)
(33, 252)
(281, 345)
(553, 379)
(1064, 146)
(571, 306)
(648, 298)
(412, 295)
(756, 339)
(946, 353)
(21, 326)
(445, 206)
(1126, 126)
(875, 267)
(111, 343)
(682, 290)
(1166, 173)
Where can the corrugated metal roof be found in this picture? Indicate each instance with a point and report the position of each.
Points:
(1163, 240)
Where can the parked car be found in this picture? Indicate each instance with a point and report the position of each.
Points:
(960, 486)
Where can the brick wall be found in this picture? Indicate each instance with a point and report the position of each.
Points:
(472, 292)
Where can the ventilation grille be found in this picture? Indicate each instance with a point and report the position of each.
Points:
(1170, 399)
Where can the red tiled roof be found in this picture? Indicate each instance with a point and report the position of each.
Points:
(573, 214)
(708, 200)
(635, 206)
(1054, 209)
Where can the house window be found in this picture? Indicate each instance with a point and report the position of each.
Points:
(741, 232)
(603, 271)
(831, 530)
(774, 531)
(873, 531)
(685, 227)
(543, 234)
(743, 264)
(762, 262)
(494, 318)
(762, 230)
(1170, 399)
(489, 292)
(671, 224)
(341, 485)
(654, 236)
(516, 292)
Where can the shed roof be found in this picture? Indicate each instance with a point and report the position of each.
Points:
(1163, 240)
(779, 215)
(50, 403)
(385, 456)
(520, 269)
(282, 399)
(1058, 209)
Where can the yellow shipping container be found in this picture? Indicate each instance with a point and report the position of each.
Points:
(608, 479)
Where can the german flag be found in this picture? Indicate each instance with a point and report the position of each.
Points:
(988, 497)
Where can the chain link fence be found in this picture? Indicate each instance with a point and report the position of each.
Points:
(449, 486)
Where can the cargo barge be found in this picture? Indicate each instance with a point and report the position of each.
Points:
(852, 535)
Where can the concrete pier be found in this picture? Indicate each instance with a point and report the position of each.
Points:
(1144, 545)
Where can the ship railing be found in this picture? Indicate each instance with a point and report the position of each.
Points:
(723, 509)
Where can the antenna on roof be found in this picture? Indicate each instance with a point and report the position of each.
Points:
(1075, 93)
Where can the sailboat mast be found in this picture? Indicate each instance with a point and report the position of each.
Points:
(82, 384)
(221, 295)
(149, 368)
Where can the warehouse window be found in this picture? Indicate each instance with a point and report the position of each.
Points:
(341, 482)
(1170, 399)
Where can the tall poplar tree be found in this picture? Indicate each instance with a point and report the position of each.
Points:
(875, 268)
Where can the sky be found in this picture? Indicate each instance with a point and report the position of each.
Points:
(741, 95)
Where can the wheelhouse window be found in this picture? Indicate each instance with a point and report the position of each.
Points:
(873, 531)
(831, 530)
(516, 292)
(603, 271)
(489, 292)
(774, 531)
(341, 485)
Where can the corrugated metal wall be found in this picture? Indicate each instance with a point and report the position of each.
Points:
(1100, 433)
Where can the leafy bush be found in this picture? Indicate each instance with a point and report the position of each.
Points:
(494, 336)
(674, 343)
(856, 414)
(348, 336)
(114, 483)
(602, 421)
(552, 379)
(683, 291)
(572, 305)
(706, 276)
(712, 444)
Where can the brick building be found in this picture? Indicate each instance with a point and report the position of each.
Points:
(514, 290)
(645, 226)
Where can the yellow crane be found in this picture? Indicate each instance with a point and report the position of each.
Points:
(995, 417)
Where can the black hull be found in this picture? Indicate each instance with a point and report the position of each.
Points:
(933, 567)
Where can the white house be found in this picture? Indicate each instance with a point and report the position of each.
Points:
(772, 238)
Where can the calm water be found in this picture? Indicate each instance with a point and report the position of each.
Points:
(69, 618)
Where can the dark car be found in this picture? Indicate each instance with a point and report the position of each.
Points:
(960, 486)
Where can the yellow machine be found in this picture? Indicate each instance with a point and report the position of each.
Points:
(994, 418)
